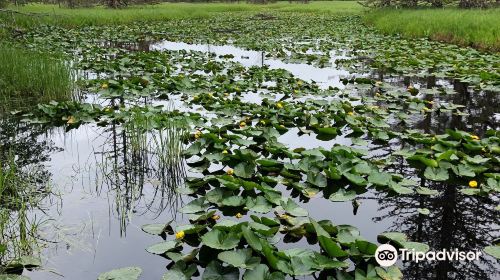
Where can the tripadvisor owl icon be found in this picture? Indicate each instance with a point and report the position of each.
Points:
(386, 255)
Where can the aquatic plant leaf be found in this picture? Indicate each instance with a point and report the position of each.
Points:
(13, 277)
(390, 273)
(215, 271)
(261, 272)
(343, 195)
(293, 208)
(259, 204)
(126, 273)
(380, 178)
(221, 240)
(155, 229)
(436, 174)
(251, 238)
(469, 191)
(417, 246)
(424, 211)
(241, 258)
(426, 191)
(392, 236)
(163, 247)
(244, 169)
(317, 179)
(325, 241)
(493, 250)
(355, 179)
(195, 206)
(174, 275)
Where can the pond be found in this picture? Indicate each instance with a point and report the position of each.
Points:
(313, 148)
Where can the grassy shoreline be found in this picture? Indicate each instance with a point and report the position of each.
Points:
(99, 15)
(479, 29)
(474, 28)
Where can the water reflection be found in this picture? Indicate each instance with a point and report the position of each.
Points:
(134, 157)
(24, 189)
(456, 221)
(470, 109)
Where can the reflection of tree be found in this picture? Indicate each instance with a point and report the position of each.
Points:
(467, 223)
(480, 107)
(23, 185)
(137, 160)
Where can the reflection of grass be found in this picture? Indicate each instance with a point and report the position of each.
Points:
(18, 194)
(33, 76)
(143, 152)
(478, 28)
(101, 15)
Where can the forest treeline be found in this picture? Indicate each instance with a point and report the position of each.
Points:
(466, 4)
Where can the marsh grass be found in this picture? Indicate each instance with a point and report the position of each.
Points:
(27, 78)
(471, 27)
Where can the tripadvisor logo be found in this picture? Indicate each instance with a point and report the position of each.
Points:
(387, 255)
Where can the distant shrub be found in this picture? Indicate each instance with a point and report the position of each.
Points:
(3, 3)
(430, 3)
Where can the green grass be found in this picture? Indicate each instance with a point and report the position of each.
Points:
(28, 76)
(52, 14)
(476, 28)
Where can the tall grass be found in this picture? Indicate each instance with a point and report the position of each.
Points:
(476, 28)
(52, 14)
(27, 76)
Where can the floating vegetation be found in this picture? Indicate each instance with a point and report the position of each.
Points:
(255, 147)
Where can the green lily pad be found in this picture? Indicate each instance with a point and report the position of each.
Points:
(126, 273)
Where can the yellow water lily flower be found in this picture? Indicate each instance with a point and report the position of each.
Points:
(310, 194)
(197, 134)
(180, 234)
(263, 122)
(225, 152)
(473, 184)
(475, 137)
(230, 171)
(239, 216)
(279, 105)
(350, 113)
(243, 124)
(215, 217)
(104, 86)
(71, 120)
